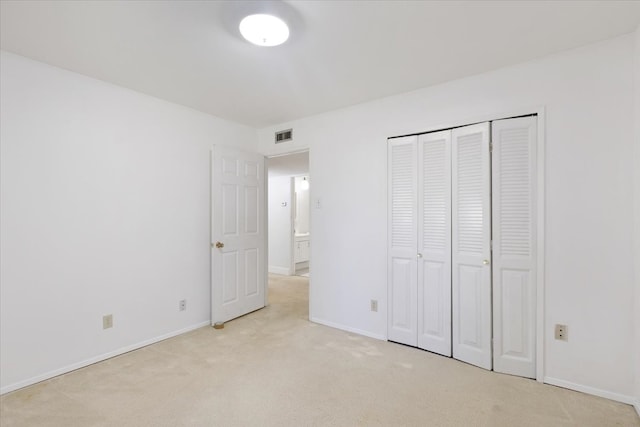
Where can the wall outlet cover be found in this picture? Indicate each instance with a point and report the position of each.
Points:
(561, 332)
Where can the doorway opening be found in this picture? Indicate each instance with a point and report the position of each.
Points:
(288, 212)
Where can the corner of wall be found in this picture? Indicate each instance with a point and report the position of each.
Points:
(636, 208)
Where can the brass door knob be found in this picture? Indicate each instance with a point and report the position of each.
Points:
(485, 262)
(219, 245)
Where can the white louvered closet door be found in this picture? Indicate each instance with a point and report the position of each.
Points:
(402, 229)
(514, 250)
(434, 242)
(471, 240)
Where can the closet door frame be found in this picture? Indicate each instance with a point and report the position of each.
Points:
(539, 111)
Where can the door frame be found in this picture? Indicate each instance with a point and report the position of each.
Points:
(539, 111)
(292, 230)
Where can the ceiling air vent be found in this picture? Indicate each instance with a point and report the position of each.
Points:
(284, 136)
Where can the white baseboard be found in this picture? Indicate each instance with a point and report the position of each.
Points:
(100, 358)
(592, 390)
(637, 406)
(348, 329)
(285, 271)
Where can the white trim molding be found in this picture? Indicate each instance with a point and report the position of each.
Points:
(99, 358)
(284, 271)
(540, 245)
(629, 400)
(348, 329)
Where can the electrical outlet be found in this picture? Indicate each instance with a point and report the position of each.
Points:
(561, 332)
(107, 321)
(374, 305)
(183, 304)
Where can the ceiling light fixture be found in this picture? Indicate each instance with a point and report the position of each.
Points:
(264, 30)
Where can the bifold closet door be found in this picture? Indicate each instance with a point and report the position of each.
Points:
(402, 229)
(471, 245)
(514, 248)
(434, 242)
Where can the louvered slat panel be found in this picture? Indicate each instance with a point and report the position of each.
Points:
(402, 238)
(515, 194)
(514, 274)
(434, 242)
(469, 194)
(471, 253)
(402, 196)
(436, 195)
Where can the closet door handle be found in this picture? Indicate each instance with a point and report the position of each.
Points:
(419, 255)
(485, 262)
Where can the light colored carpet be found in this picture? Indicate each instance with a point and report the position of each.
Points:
(275, 368)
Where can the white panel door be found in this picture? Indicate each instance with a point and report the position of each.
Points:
(402, 238)
(238, 234)
(514, 251)
(434, 242)
(471, 245)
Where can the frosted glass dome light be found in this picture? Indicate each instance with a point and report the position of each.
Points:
(264, 30)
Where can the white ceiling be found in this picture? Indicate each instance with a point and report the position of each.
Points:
(341, 52)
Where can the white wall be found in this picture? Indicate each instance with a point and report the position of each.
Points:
(588, 97)
(105, 209)
(637, 215)
(280, 225)
(302, 206)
